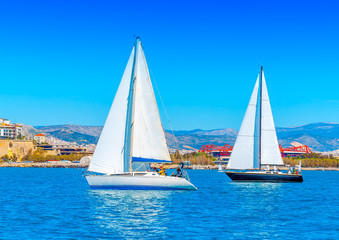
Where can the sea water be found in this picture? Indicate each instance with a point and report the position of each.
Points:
(42, 203)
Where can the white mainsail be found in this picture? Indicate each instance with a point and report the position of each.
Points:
(134, 107)
(149, 142)
(109, 155)
(245, 154)
(270, 153)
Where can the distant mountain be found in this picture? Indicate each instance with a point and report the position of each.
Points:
(214, 132)
(71, 136)
(318, 136)
(82, 135)
(87, 130)
(196, 141)
(185, 132)
(29, 131)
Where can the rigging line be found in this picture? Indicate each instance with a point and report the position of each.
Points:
(163, 105)
(143, 164)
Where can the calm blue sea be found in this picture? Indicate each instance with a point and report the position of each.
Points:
(58, 204)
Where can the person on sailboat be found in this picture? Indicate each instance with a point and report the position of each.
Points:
(179, 172)
(162, 171)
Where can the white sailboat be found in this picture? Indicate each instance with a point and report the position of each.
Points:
(133, 136)
(256, 144)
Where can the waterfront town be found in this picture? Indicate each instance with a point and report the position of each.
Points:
(20, 147)
(16, 147)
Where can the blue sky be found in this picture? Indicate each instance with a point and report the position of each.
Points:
(61, 61)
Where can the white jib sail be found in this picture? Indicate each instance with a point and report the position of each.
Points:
(270, 153)
(149, 142)
(243, 155)
(109, 155)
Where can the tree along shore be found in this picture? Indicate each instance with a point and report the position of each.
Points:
(199, 160)
(166, 166)
(312, 160)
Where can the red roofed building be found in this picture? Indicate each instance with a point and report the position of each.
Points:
(40, 138)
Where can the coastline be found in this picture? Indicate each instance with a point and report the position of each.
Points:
(166, 166)
(43, 165)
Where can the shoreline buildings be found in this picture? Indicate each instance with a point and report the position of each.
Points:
(9, 130)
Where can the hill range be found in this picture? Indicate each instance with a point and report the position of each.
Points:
(318, 136)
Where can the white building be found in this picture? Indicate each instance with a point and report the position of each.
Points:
(9, 130)
(40, 138)
(5, 121)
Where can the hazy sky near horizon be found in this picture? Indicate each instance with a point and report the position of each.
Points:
(61, 61)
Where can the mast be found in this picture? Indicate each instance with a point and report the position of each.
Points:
(130, 113)
(260, 119)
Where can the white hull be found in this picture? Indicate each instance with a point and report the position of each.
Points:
(139, 181)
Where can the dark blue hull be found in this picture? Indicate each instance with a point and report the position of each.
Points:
(264, 177)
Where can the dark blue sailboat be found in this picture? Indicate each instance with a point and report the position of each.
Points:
(257, 145)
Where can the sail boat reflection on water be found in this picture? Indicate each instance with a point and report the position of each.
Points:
(130, 213)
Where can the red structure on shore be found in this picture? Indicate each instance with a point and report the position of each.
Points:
(226, 150)
(217, 151)
(294, 151)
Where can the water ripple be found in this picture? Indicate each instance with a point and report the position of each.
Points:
(58, 204)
